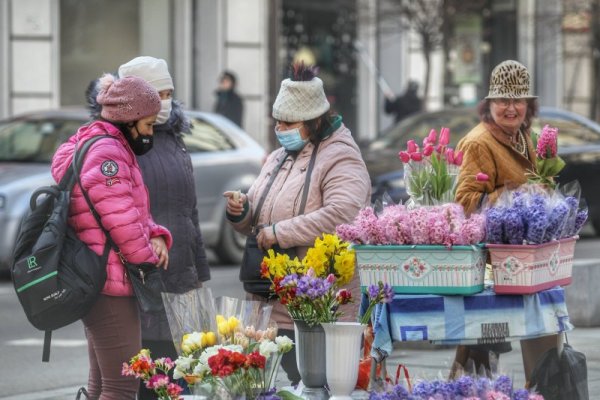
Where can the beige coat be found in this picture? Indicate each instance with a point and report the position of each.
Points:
(486, 149)
(339, 188)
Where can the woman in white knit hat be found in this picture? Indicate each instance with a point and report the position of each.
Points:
(339, 183)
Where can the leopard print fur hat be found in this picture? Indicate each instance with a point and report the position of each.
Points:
(510, 79)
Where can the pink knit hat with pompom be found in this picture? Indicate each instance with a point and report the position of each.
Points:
(128, 99)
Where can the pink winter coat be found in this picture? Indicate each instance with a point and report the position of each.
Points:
(339, 188)
(112, 178)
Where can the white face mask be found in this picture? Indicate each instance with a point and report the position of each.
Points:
(164, 113)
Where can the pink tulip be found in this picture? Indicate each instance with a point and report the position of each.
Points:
(444, 136)
(331, 278)
(458, 158)
(416, 156)
(428, 150)
(481, 177)
(404, 157)
(450, 156)
(411, 146)
(431, 138)
(439, 149)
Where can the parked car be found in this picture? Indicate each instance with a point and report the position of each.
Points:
(578, 145)
(224, 158)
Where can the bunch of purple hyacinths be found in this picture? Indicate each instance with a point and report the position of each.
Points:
(398, 225)
(464, 388)
(529, 217)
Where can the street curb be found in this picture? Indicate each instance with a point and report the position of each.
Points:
(52, 394)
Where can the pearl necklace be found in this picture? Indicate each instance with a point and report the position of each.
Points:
(520, 145)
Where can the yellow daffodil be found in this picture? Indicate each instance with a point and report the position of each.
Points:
(344, 267)
(317, 260)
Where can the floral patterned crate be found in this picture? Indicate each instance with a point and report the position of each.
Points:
(423, 269)
(526, 269)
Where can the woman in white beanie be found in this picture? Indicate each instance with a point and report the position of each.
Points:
(168, 173)
(339, 184)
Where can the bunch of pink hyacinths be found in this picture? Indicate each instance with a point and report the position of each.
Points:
(547, 142)
(548, 164)
(399, 225)
(430, 173)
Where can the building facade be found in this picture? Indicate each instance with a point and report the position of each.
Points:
(51, 49)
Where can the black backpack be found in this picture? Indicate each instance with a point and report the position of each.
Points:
(57, 277)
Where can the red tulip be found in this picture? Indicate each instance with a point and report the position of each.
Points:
(428, 150)
(411, 146)
(444, 136)
(481, 177)
(404, 157)
(458, 158)
(431, 138)
(416, 156)
(450, 156)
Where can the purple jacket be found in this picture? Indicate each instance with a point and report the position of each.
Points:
(112, 178)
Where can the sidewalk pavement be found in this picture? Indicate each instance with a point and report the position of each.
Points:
(430, 362)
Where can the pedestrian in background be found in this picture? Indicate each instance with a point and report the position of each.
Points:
(111, 176)
(407, 104)
(339, 185)
(500, 146)
(229, 103)
(168, 173)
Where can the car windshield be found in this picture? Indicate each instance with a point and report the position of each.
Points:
(417, 127)
(34, 141)
(461, 121)
(570, 133)
(205, 137)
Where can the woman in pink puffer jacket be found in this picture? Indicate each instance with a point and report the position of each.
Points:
(113, 181)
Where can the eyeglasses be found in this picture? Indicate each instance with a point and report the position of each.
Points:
(504, 103)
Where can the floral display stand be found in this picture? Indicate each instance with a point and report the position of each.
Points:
(526, 269)
(423, 269)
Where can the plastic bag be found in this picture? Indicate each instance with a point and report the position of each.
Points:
(192, 311)
(564, 377)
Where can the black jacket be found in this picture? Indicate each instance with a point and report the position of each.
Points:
(168, 174)
(229, 104)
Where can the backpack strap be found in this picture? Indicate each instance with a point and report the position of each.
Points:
(68, 180)
(46, 350)
(77, 165)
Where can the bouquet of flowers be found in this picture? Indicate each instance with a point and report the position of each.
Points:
(247, 366)
(548, 163)
(464, 388)
(532, 215)
(310, 289)
(154, 373)
(398, 225)
(430, 173)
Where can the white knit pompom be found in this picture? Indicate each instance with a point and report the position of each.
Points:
(105, 82)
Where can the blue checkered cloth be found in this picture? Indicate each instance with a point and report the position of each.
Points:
(483, 318)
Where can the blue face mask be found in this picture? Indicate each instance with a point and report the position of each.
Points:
(291, 139)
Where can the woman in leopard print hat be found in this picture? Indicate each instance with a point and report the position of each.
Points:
(500, 146)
